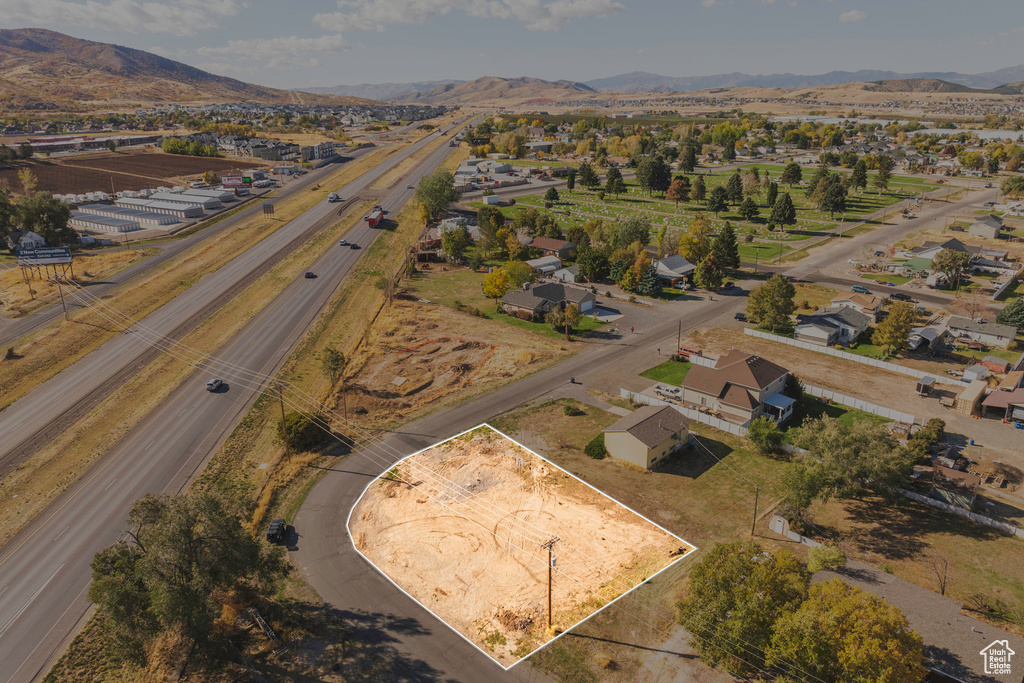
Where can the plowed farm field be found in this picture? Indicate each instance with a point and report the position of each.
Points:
(129, 171)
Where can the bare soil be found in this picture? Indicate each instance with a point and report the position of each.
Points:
(470, 550)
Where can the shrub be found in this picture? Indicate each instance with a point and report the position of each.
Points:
(764, 435)
(827, 556)
(572, 410)
(595, 449)
(303, 432)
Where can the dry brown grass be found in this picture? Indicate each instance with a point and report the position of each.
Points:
(19, 297)
(395, 175)
(61, 462)
(45, 353)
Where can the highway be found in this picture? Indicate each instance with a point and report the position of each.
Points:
(44, 571)
(12, 329)
(66, 397)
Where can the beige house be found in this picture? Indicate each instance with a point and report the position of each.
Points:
(865, 303)
(740, 387)
(647, 436)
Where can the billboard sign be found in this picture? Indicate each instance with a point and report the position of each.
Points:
(236, 181)
(44, 256)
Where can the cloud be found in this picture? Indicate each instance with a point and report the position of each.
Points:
(277, 53)
(175, 17)
(853, 15)
(537, 15)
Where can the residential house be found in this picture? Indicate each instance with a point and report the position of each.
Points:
(570, 274)
(535, 299)
(647, 436)
(674, 270)
(987, 227)
(550, 246)
(837, 325)
(981, 257)
(992, 334)
(545, 265)
(924, 337)
(741, 386)
(865, 303)
(24, 239)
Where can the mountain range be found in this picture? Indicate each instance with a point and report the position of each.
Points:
(498, 91)
(41, 69)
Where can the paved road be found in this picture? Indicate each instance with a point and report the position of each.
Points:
(12, 329)
(348, 583)
(64, 398)
(44, 571)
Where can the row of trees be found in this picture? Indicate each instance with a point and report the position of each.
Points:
(38, 212)
(752, 610)
(191, 148)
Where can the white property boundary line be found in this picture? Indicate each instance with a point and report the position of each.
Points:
(483, 425)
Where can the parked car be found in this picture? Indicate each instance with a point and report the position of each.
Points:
(900, 296)
(888, 284)
(277, 531)
(728, 285)
(214, 384)
(310, 275)
(742, 317)
(861, 289)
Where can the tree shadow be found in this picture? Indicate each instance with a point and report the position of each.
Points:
(691, 461)
(358, 645)
(950, 664)
(634, 646)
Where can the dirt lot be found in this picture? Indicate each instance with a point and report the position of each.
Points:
(128, 170)
(417, 354)
(472, 555)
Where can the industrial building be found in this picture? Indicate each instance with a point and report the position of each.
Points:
(177, 209)
(149, 218)
(222, 195)
(91, 221)
(208, 203)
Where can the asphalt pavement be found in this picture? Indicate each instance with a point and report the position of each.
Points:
(44, 570)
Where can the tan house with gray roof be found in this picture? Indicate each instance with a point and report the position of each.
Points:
(647, 436)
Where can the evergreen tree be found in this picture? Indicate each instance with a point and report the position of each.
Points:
(859, 176)
(570, 180)
(709, 274)
(783, 213)
(700, 190)
(725, 248)
(1012, 314)
(771, 194)
(716, 200)
(688, 159)
(749, 210)
(792, 174)
(834, 199)
(588, 178)
(734, 188)
(885, 166)
(649, 284)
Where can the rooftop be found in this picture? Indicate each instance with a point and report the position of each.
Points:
(651, 425)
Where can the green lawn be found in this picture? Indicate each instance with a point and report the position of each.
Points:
(813, 408)
(670, 372)
(886, 277)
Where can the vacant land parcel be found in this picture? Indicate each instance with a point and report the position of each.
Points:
(461, 527)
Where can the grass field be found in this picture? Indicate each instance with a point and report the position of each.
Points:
(670, 372)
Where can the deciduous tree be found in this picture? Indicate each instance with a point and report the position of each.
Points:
(679, 190)
(770, 304)
(699, 191)
(951, 263)
(892, 333)
(437, 192)
(496, 285)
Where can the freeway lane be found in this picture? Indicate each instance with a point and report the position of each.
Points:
(14, 329)
(64, 398)
(44, 571)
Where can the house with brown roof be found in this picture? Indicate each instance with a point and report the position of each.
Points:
(550, 246)
(865, 303)
(647, 436)
(740, 387)
(536, 299)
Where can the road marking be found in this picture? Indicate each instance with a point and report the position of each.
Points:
(112, 482)
(24, 607)
(4, 590)
(61, 533)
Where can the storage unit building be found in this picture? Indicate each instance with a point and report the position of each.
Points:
(148, 218)
(208, 203)
(219, 194)
(91, 221)
(178, 210)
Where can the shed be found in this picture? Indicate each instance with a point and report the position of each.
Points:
(545, 265)
(647, 435)
(996, 365)
(925, 385)
(975, 372)
(968, 400)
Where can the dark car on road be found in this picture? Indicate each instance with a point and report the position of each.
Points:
(310, 275)
(353, 246)
(900, 296)
(742, 317)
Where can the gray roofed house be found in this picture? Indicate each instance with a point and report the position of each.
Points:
(545, 265)
(831, 325)
(647, 435)
(673, 268)
(992, 334)
(987, 227)
(539, 298)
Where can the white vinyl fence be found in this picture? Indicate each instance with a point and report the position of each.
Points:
(696, 415)
(966, 514)
(846, 355)
(859, 404)
(1004, 286)
(703, 360)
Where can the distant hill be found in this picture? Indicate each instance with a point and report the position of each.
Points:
(378, 91)
(41, 69)
(642, 81)
(491, 89)
(919, 85)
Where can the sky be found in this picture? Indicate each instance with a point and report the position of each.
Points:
(300, 43)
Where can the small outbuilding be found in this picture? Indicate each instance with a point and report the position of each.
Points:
(647, 436)
(968, 400)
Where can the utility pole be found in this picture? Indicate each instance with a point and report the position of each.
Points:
(284, 425)
(551, 564)
(679, 337)
(757, 494)
(62, 304)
